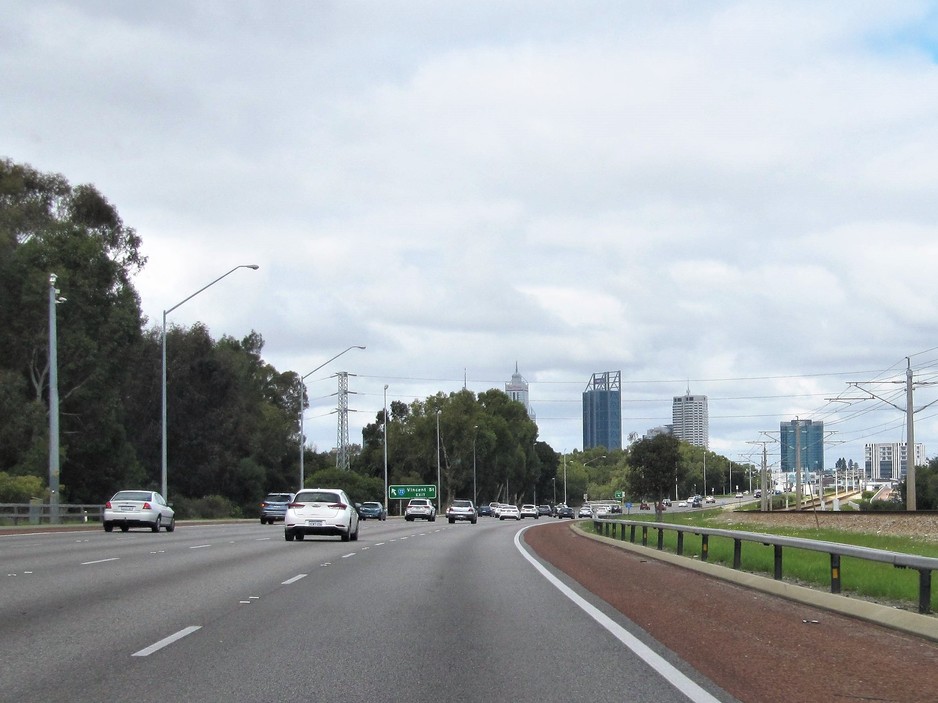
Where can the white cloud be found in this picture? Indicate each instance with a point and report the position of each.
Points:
(716, 194)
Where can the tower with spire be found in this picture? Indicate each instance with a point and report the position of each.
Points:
(517, 389)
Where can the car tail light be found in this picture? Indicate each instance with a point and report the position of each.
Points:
(146, 505)
(338, 506)
(295, 505)
(263, 505)
(108, 505)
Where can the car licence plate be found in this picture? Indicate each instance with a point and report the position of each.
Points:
(314, 523)
(127, 508)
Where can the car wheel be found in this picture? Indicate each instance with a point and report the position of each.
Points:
(500, 517)
(408, 518)
(433, 518)
(156, 525)
(346, 536)
(300, 536)
(473, 521)
(355, 533)
(124, 528)
(171, 527)
(108, 527)
(263, 521)
(287, 535)
(451, 521)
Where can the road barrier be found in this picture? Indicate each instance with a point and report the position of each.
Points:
(616, 529)
(37, 513)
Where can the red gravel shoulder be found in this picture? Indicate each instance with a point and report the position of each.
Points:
(758, 647)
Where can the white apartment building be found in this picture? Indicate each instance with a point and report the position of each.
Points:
(887, 461)
(690, 419)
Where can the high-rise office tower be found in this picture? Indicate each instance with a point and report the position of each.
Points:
(602, 411)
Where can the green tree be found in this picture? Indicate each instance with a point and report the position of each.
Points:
(655, 467)
(47, 226)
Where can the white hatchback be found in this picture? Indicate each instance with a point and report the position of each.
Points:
(321, 511)
(529, 510)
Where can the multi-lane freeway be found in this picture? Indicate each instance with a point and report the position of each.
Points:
(412, 611)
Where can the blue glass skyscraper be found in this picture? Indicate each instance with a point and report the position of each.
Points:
(602, 411)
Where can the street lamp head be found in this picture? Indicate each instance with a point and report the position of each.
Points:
(252, 266)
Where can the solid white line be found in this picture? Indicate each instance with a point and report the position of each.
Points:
(156, 646)
(293, 580)
(667, 671)
(99, 561)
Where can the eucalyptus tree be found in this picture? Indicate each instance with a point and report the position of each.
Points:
(47, 226)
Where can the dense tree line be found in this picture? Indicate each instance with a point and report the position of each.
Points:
(232, 420)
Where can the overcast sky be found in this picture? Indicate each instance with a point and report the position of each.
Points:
(737, 198)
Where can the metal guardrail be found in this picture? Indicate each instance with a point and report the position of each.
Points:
(37, 513)
(924, 565)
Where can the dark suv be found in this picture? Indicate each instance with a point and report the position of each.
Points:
(274, 507)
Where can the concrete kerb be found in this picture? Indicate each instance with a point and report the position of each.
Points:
(902, 620)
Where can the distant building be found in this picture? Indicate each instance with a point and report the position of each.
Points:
(653, 432)
(517, 389)
(807, 437)
(889, 461)
(602, 411)
(690, 419)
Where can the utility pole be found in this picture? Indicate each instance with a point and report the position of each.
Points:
(910, 502)
(909, 410)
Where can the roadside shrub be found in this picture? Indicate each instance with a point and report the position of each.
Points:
(206, 508)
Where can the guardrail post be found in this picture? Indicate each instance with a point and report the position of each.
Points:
(924, 591)
(644, 536)
(660, 538)
(680, 542)
(632, 534)
(835, 573)
(704, 547)
(737, 553)
(778, 562)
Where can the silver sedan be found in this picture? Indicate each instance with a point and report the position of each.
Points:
(128, 509)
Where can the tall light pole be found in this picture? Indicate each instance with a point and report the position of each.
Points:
(475, 493)
(384, 500)
(54, 299)
(163, 384)
(439, 484)
(590, 461)
(303, 406)
(565, 477)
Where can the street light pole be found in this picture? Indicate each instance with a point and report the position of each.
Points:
(565, 477)
(54, 299)
(303, 406)
(439, 485)
(475, 492)
(385, 499)
(163, 384)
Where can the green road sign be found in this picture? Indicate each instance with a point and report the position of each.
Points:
(620, 494)
(407, 492)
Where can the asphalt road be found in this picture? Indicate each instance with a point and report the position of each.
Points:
(410, 612)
